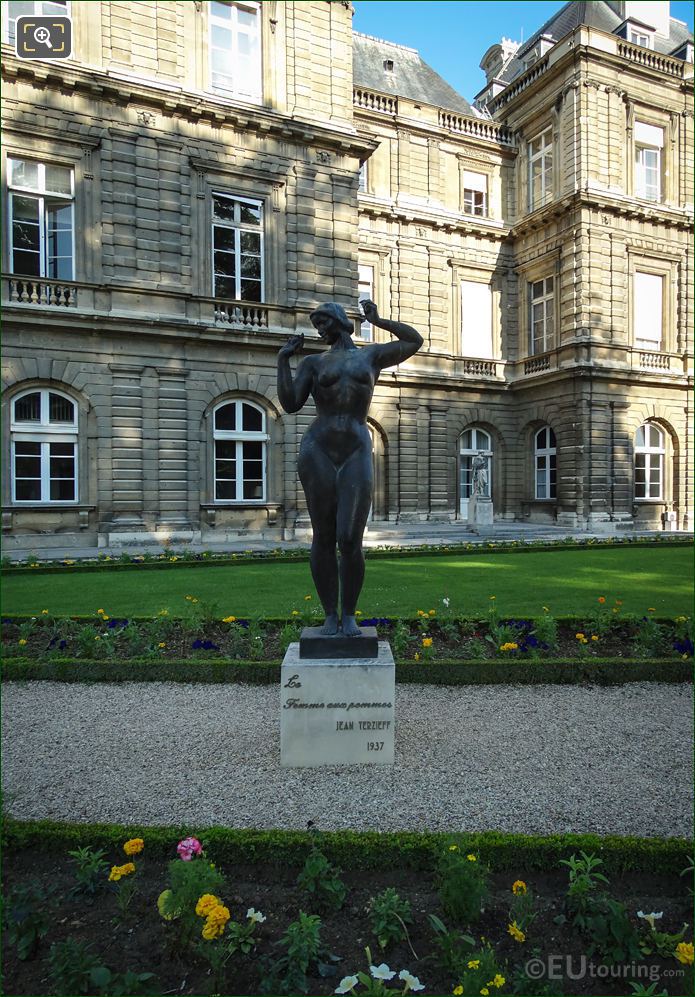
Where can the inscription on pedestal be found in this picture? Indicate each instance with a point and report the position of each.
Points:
(337, 711)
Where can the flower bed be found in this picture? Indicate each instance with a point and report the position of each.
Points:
(275, 913)
(434, 635)
(169, 557)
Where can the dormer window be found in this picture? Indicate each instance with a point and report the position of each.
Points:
(638, 37)
(388, 65)
(637, 33)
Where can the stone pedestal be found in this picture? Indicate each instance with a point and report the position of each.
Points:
(337, 711)
(480, 510)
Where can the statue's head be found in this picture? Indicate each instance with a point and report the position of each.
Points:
(331, 321)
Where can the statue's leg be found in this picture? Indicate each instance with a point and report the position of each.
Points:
(354, 501)
(318, 476)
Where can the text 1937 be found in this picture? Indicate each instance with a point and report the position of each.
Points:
(375, 745)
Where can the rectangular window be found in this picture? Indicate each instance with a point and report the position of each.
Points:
(235, 49)
(41, 219)
(649, 472)
(475, 193)
(44, 471)
(542, 315)
(540, 169)
(638, 38)
(362, 185)
(11, 11)
(647, 310)
(476, 319)
(649, 141)
(366, 293)
(237, 248)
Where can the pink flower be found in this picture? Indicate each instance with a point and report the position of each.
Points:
(188, 848)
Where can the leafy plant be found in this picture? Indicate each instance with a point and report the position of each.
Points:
(584, 895)
(388, 916)
(71, 966)
(302, 945)
(612, 934)
(91, 869)
(255, 635)
(322, 880)
(26, 919)
(188, 881)
(399, 639)
(453, 948)
(289, 634)
(522, 906)
(482, 973)
(545, 630)
(650, 991)
(463, 885)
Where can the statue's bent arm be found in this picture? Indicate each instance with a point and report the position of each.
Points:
(294, 393)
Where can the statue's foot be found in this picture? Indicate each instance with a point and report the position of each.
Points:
(330, 626)
(350, 628)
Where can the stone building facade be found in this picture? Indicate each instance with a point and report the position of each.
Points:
(186, 187)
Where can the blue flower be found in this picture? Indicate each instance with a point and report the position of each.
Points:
(683, 646)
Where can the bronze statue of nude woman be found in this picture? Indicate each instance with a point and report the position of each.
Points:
(335, 456)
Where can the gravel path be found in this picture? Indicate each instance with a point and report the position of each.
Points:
(532, 759)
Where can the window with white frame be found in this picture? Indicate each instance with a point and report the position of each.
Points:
(240, 442)
(475, 193)
(545, 463)
(540, 169)
(647, 310)
(542, 315)
(11, 11)
(476, 319)
(41, 219)
(649, 141)
(650, 452)
(235, 49)
(237, 247)
(43, 430)
(366, 293)
(362, 183)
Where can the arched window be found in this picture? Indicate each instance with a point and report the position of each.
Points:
(240, 442)
(43, 429)
(650, 450)
(472, 442)
(545, 463)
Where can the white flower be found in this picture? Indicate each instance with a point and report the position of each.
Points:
(255, 915)
(411, 982)
(650, 918)
(382, 972)
(346, 985)
(446, 601)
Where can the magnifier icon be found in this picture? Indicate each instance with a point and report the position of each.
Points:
(43, 36)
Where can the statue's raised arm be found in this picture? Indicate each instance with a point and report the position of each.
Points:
(408, 340)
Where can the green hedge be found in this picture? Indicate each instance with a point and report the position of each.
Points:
(360, 850)
(598, 671)
(302, 555)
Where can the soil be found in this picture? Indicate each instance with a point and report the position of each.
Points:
(167, 638)
(144, 942)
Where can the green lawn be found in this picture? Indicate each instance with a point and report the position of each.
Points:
(567, 581)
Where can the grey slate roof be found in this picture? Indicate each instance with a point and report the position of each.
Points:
(596, 14)
(411, 77)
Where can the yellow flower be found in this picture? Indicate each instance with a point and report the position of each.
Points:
(358, 612)
(453, 848)
(471, 858)
(100, 611)
(474, 964)
(194, 599)
(206, 903)
(97, 638)
(516, 932)
(44, 612)
(229, 619)
(545, 609)
(417, 656)
(650, 609)
(134, 846)
(594, 637)
(105, 617)
(307, 598)
(421, 612)
(21, 641)
(492, 598)
(173, 558)
(518, 887)
(484, 991)
(118, 871)
(188, 598)
(679, 619)
(295, 612)
(427, 642)
(162, 643)
(509, 646)
(684, 953)
(457, 991)
(432, 612)
(163, 612)
(580, 636)
(499, 980)
(211, 931)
